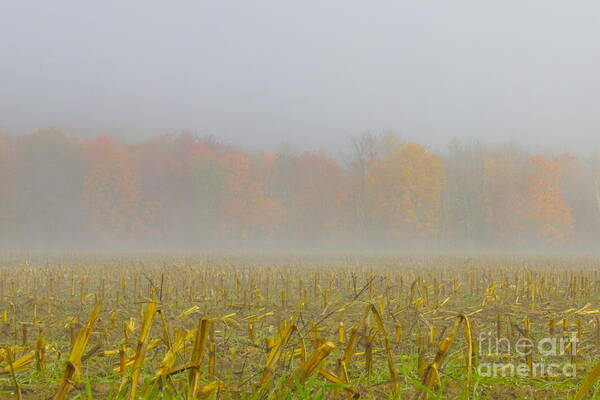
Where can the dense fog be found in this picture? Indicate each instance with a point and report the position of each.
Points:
(462, 125)
(182, 192)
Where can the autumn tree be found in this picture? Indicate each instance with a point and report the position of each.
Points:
(110, 193)
(246, 211)
(405, 188)
(160, 171)
(181, 190)
(279, 185)
(182, 179)
(544, 198)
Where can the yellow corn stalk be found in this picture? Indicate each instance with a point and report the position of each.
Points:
(388, 350)
(351, 346)
(431, 376)
(73, 365)
(333, 378)
(588, 383)
(187, 312)
(275, 353)
(206, 390)
(212, 358)
(469, 339)
(140, 350)
(168, 362)
(19, 364)
(341, 333)
(9, 359)
(197, 353)
(306, 369)
(40, 350)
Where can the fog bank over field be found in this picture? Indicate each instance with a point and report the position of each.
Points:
(314, 126)
(261, 73)
(180, 192)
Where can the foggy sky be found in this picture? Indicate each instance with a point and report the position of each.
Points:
(258, 73)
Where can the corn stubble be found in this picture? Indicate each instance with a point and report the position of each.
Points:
(237, 328)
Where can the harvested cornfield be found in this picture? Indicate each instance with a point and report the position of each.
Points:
(298, 327)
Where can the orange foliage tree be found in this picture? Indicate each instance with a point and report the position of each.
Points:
(546, 208)
(405, 188)
(246, 211)
(110, 193)
(191, 192)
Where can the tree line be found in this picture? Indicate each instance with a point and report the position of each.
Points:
(184, 191)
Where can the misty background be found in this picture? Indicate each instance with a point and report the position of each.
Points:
(312, 73)
(300, 125)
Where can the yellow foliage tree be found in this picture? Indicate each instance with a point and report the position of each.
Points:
(405, 187)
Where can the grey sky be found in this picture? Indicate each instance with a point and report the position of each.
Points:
(259, 73)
